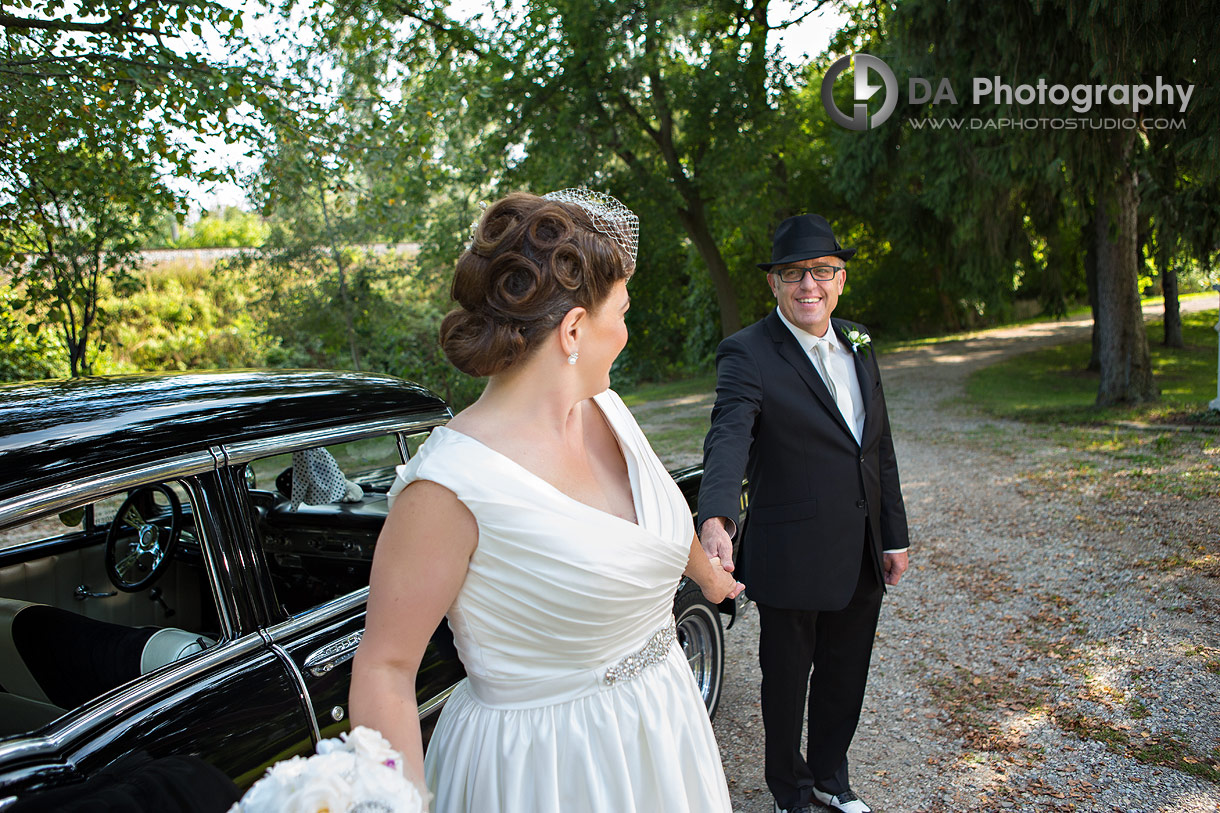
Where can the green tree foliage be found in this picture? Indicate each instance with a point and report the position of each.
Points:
(99, 100)
(189, 318)
(672, 102)
(1123, 42)
(339, 171)
(109, 74)
(229, 227)
(178, 317)
(678, 110)
(1004, 209)
(948, 219)
(392, 312)
(70, 229)
(1182, 205)
(25, 355)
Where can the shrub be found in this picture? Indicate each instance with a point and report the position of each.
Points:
(24, 355)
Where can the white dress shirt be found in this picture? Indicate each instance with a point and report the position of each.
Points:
(842, 372)
(843, 368)
(847, 383)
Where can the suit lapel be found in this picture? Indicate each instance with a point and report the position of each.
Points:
(868, 383)
(862, 372)
(790, 350)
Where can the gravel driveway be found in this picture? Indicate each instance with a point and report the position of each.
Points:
(1044, 651)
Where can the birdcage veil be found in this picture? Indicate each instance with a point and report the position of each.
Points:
(609, 216)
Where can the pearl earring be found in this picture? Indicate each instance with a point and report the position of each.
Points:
(572, 358)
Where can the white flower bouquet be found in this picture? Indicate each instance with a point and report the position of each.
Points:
(357, 773)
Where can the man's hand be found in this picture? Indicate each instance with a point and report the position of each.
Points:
(894, 564)
(717, 542)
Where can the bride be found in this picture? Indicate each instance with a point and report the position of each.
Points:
(542, 524)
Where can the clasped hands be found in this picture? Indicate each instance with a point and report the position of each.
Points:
(719, 550)
(718, 545)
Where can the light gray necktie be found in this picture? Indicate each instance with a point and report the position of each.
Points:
(823, 351)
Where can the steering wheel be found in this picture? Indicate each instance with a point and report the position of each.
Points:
(137, 550)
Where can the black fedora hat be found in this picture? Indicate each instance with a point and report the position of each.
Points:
(802, 238)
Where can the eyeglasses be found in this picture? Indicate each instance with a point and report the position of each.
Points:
(796, 273)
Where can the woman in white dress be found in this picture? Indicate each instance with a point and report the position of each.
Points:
(543, 525)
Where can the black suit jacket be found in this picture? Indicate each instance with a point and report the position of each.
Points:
(817, 497)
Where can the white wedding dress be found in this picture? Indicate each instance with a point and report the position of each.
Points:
(577, 697)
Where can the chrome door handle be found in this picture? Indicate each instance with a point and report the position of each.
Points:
(328, 657)
(83, 592)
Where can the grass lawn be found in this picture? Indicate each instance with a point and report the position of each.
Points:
(1053, 386)
(1081, 312)
(642, 393)
(1103, 452)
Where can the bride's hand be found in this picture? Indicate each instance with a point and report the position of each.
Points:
(722, 584)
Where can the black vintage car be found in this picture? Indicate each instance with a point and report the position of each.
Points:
(168, 610)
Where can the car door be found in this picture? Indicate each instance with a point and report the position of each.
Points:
(321, 644)
(313, 563)
(230, 710)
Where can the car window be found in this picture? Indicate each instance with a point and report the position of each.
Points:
(96, 596)
(32, 532)
(319, 514)
(414, 441)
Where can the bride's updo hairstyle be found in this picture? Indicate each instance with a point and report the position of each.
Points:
(530, 261)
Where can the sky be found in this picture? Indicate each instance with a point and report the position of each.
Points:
(801, 41)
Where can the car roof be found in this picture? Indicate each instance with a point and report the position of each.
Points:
(52, 431)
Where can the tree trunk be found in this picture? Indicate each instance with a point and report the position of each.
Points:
(694, 220)
(349, 324)
(345, 304)
(75, 330)
(948, 311)
(1173, 308)
(1054, 302)
(1090, 280)
(1126, 369)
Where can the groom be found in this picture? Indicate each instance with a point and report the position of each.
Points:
(800, 413)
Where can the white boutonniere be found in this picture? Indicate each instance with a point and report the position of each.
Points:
(860, 342)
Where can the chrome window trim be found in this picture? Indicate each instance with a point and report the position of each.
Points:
(434, 704)
(319, 615)
(209, 547)
(50, 500)
(247, 450)
(116, 708)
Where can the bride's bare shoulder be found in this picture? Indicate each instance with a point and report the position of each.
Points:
(482, 425)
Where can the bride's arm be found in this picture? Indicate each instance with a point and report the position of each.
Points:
(716, 583)
(418, 568)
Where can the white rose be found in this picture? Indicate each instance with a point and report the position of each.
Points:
(369, 744)
(359, 768)
(324, 787)
(376, 782)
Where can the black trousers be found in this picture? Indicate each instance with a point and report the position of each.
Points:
(837, 647)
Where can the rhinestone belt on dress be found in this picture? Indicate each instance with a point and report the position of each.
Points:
(652, 652)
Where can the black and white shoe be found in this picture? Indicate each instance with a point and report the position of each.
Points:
(846, 801)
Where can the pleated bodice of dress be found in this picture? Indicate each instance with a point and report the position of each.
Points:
(558, 594)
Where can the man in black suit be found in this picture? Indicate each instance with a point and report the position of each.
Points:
(800, 413)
